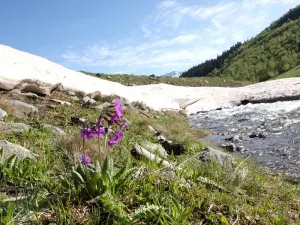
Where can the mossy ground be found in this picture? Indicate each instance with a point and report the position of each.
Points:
(253, 195)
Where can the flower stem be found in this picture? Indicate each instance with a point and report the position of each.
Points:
(105, 144)
(84, 160)
(99, 148)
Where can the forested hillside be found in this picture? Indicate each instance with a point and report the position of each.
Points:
(274, 51)
(210, 65)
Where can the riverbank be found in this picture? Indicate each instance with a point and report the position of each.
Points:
(200, 192)
(269, 132)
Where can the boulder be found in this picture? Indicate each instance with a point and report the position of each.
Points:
(96, 95)
(37, 87)
(210, 154)
(61, 102)
(22, 106)
(154, 148)
(102, 106)
(54, 129)
(229, 147)
(13, 127)
(170, 146)
(125, 101)
(14, 149)
(70, 92)
(15, 93)
(6, 84)
(2, 113)
(235, 138)
(173, 148)
(87, 100)
(80, 94)
(31, 95)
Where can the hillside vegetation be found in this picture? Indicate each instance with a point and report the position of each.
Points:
(132, 80)
(58, 187)
(273, 52)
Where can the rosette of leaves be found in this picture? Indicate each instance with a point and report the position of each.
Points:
(99, 184)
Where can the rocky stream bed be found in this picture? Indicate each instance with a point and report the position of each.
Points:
(269, 132)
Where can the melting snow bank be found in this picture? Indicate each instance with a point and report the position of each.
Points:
(16, 65)
(269, 132)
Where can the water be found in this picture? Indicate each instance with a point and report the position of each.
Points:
(278, 122)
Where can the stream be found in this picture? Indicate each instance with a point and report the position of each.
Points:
(269, 132)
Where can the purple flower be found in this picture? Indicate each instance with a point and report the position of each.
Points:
(99, 130)
(84, 159)
(86, 133)
(118, 135)
(118, 107)
(118, 114)
(123, 125)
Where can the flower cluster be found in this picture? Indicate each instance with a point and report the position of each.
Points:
(84, 159)
(100, 130)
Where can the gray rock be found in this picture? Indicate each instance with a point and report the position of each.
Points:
(253, 135)
(173, 147)
(240, 149)
(80, 94)
(61, 102)
(2, 113)
(75, 98)
(210, 154)
(229, 147)
(15, 92)
(96, 95)
(80, 121)
(155, 148)
(13, 127)
(102, 106)
(14, 149)
(70, 92)
(22, 106)
(125, 101)
(55, 130)
(92, 101)
(262, 135)
(86, 99)
(235, 138)
(31, 95)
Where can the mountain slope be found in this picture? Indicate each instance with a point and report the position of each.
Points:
(172, 74)
(274, 51)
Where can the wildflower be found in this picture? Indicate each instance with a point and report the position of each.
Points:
(118, 106)
(118, 135)
(86, 133)
(84, 159)
(118, 114)
(99, 130)
(123, 125)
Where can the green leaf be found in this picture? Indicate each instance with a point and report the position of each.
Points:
(224, 220)
(77, 177)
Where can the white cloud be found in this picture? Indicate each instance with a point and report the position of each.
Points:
(146, 30)
(178, 35)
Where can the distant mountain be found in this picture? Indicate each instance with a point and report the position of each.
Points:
(172, 74)
(275, 51)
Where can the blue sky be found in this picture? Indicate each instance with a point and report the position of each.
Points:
(133, 36)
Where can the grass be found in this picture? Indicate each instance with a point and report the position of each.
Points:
(123, 190)
(191, 82)
(295, 72)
